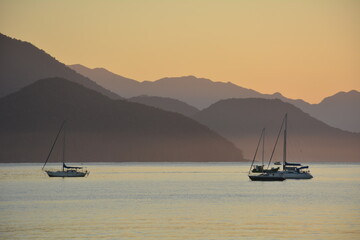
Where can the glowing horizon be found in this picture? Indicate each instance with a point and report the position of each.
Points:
(302, 49)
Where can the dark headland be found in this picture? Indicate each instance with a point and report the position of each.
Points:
(100, 129)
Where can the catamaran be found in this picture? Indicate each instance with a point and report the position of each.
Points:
(66, 171)
(291, 170)
(258, 172)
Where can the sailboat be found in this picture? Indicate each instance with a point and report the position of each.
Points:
(258, 172)
(66, 171)
(291, 170)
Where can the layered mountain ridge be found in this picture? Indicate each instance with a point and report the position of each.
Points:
(241, 121)
(201, 93)
(100, 129)
(21, 64)
(167, 104)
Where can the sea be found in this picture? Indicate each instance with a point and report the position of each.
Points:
(178, 201)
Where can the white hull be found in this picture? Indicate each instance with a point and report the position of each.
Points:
(296, 175)
(66, 171)
(70, 173)
(289, 170)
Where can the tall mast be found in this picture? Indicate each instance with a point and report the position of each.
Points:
(285, 132)
(63, 157)
(277, 139)
(263, 147)
(52, 147)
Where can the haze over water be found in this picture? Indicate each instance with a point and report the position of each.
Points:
(178, 201)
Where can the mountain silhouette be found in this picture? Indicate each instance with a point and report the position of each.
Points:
(167, 104)
(109, 80)
(100, 129)
(133, 88)
(21, 64)
(341, 110)
(201, 93)
(197, 92)
(241, 120)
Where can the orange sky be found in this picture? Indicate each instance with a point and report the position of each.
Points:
(305, 49)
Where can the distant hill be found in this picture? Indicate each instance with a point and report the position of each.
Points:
(201, 93)
(109, 80)
(167, 104)
(241, 120)
(100, 129)
(21, 64)
(341, 110)
(197, 92)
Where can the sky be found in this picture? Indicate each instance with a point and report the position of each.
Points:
(307, 49)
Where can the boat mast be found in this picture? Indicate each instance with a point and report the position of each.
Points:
(263, 147)
(257, 148)
(52, 147)
(63, 157)
(285, 132)
(277, 139)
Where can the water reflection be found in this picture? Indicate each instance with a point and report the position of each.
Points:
(178, 201)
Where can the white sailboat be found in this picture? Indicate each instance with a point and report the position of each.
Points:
(67, 171)
(258, 172)
(291, 170)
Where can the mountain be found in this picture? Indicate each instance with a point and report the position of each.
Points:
(21, 64)
(109, 80)
(197, 92)
(201, 93)
(133, 89)
(241, 120)
(100, 129)
(341, 110)
(167, 104)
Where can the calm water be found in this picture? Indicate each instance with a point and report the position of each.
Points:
(178, 201)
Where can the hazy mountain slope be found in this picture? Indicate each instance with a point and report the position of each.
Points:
(341, 110)
(109, 80)
(167, 104)
(100, 129)
(241, 121)
(21, 64)
(200, 92)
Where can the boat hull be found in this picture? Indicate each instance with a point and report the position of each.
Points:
(291, 175)
(266, 177)
(66, 173)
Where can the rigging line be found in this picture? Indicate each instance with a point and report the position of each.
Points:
(277, 139)
(261, 136)
(285, 135)
(47, 159)
(263, 148)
